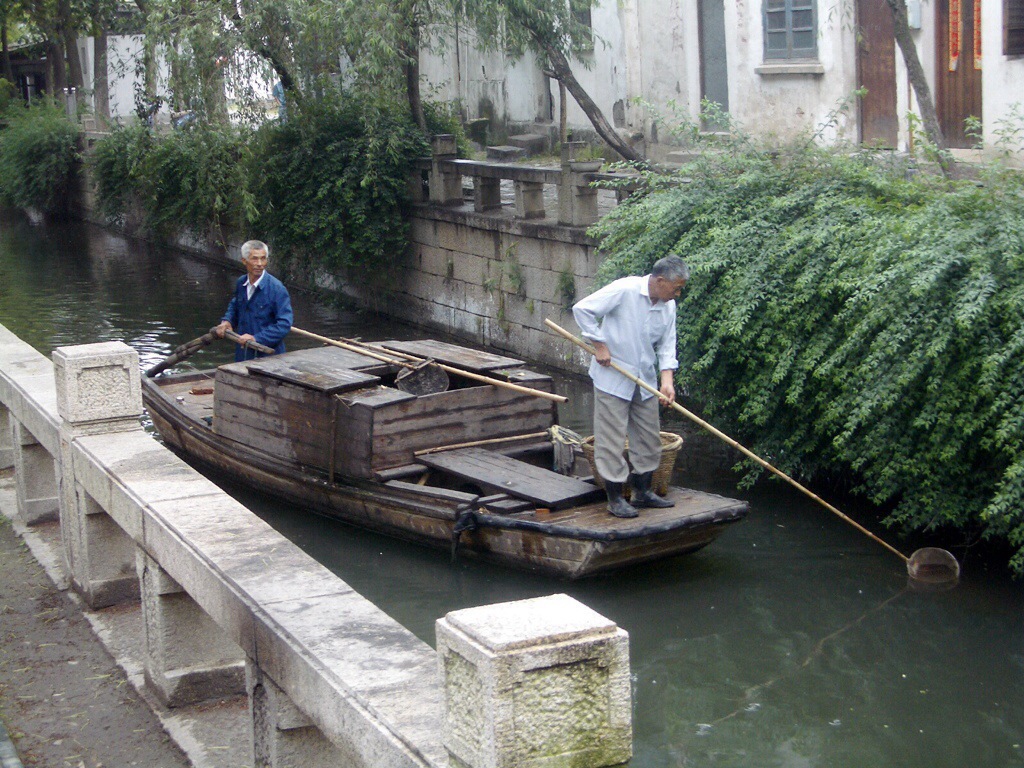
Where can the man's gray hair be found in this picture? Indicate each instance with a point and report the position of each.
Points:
(671, 267)
(254, 245)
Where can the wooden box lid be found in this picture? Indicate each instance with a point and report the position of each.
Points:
(325, 369)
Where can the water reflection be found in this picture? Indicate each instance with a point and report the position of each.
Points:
(791, 641)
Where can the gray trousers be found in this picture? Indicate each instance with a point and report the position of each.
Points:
(615, 420)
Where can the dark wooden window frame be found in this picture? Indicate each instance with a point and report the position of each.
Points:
(1013, 27)
(789, 18)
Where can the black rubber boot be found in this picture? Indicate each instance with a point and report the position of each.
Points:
(617, 505)
(643, 496)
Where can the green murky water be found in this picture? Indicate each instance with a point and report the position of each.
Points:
(792, 641)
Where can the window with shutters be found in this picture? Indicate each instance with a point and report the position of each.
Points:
(791, 29)
(1013, 27)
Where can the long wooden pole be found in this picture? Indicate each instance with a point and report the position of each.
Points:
(365, 349)
(718, 433)
(187, 349)
(263, 349)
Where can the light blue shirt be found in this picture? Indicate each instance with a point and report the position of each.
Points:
(639, 333)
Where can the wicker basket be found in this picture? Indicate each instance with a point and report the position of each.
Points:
(670, 445)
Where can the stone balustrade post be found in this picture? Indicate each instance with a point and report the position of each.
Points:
(445, 182)
(98, 392)
(529, 200)
(7, 424)
(282, 736)
(486, 194)
(71, 104)
(539, 683)
(188, 657)
(577, 200)
(36, 478)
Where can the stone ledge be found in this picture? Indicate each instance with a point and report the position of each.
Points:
(790, 68)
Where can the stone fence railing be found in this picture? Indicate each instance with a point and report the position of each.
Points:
(439, 180)
(231, 607)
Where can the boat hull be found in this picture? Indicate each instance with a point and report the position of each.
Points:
(549, 542)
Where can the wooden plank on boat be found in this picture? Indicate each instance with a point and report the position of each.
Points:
(436, 493)
(524, 377)
(400, 473)
(510, 476)
(452, 354)
(504, 504)
(327, 369)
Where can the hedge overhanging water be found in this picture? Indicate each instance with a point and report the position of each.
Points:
(844, 318)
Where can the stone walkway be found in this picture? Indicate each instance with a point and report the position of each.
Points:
(71, 681)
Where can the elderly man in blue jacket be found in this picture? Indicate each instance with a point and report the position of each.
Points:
(261, 309)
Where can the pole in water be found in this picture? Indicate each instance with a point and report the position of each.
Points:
(929, 568)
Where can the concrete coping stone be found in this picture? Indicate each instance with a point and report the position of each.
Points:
(528, 623)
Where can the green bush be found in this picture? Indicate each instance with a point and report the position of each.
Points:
(327, 188)
(333, 183)
(193, 178)
(8, 95)
(197, 177)
(443, 117)
(844, 318)
(38, 156)
(118, 161)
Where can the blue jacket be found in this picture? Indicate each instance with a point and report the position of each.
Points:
(267, 316)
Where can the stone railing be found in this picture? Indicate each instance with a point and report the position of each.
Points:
(438, 180)
(232, 607)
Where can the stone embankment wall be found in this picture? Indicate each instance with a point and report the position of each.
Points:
(495, 249)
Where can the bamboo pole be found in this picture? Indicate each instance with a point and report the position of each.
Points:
(718, 433)
(366, 349)
(490, 441)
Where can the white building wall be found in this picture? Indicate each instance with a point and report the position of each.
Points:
(1001, 82)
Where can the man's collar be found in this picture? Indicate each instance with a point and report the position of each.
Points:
(257, 283)
(645, 286)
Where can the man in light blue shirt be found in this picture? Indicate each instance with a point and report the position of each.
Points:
(632, 320)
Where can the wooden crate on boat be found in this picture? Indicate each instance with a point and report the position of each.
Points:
(333, 411)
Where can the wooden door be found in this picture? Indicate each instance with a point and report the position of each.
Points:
(876, 71)
(958, 80)
(714, 70)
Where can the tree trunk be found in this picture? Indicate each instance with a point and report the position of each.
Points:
(929, 117)
(56, 73)
(562, 137)
(563, 72)
(69, 39)
(148, 59)
(76, 78)
(101, 84)
(5, 55)
(412, 81)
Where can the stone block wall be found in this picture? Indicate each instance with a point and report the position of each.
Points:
(492, 281)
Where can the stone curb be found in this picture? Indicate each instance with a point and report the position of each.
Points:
(8, 754)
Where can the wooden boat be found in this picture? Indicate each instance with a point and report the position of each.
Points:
(469, 467)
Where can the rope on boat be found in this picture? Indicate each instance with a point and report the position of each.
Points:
(465, 520)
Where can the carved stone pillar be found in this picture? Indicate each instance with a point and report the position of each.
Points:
(98, 392)
(540, 683)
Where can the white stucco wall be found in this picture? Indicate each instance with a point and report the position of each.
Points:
(1003, 93)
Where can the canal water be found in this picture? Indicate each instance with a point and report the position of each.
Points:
(792, 641)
